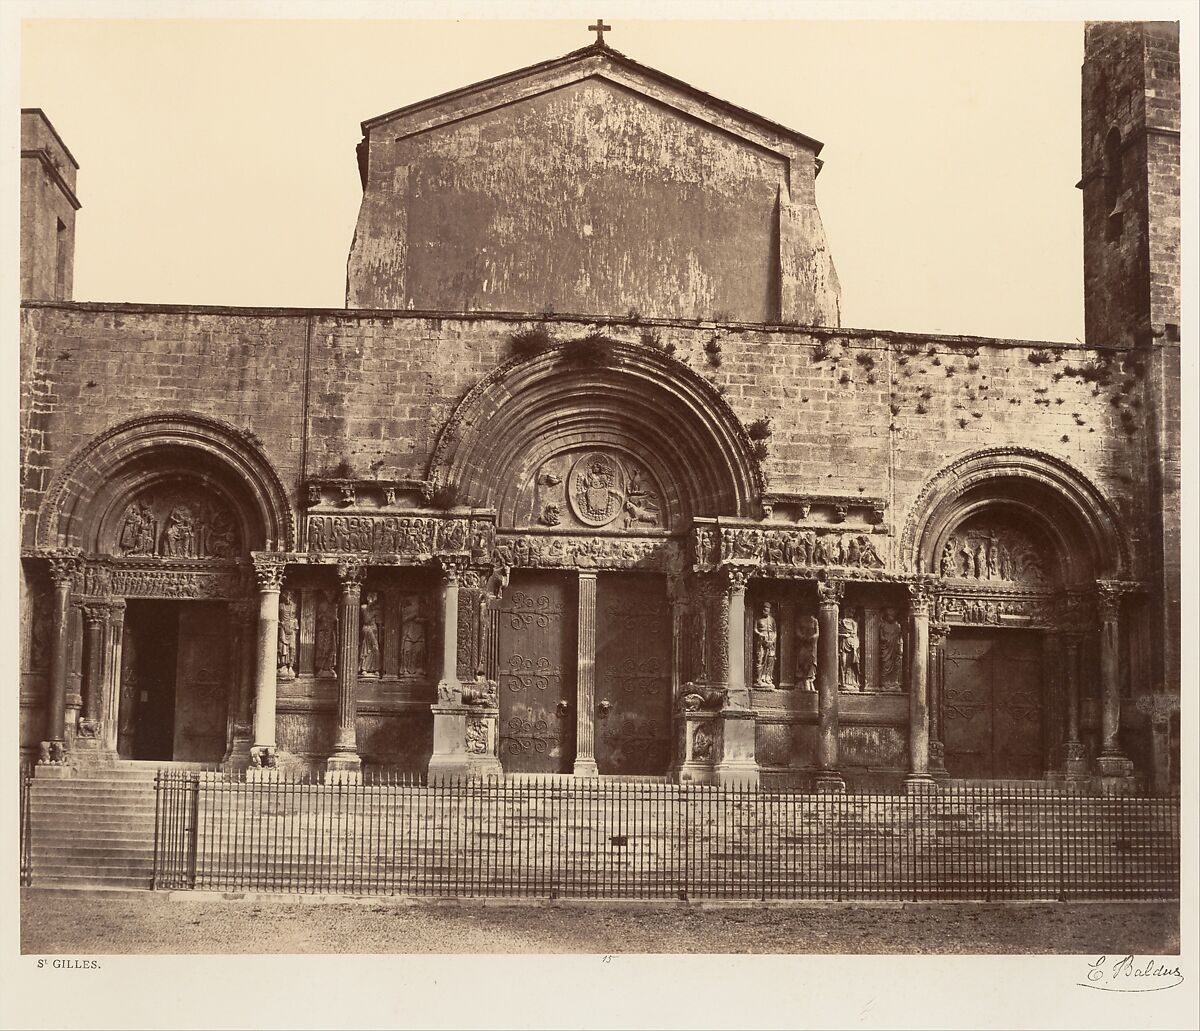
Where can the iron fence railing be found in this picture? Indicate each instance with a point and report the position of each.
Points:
(555, 838)
(26, 827)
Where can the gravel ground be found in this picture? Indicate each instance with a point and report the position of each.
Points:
(83, 923)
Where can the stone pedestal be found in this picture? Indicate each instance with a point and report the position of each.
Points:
(449, 759)
(483, 742)
(697, 747)
(738, 766)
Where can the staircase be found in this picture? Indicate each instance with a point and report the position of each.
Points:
(93, 830)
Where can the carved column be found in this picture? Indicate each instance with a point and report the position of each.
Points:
(449, 758)
(1075, 766)
(1160, 709)
(95, 620)
(738, 765)
(585, 672)
(829, 598)
(63, 568)
(918, 778)
(1111, 762)
(345, 764)
(938, 633)
(240, 698)
(111, 678)
(268, 575)
(737, 694)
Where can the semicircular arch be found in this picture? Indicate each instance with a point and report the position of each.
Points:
(635, 402)
(1038, 491)
(165, 451)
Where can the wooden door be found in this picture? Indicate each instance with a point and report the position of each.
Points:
(536, 669)
(992, 709)
(633, 674)
(201, 682)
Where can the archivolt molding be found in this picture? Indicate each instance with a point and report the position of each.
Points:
(648, 404)
(978, 479)
(67, 509)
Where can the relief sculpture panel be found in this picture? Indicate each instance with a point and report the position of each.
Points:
(988, 549)
(596, 489)
(180, 522)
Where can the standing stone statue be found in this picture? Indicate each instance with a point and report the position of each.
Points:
(891, 651)
(326, 634)
(289, 626)
(848, 652)
(412, 637)
(808, 635)
(766, 638)
(369, 635)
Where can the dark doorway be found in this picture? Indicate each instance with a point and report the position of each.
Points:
(174, 681)
(536, 660)
(633, 674)
(992, 712)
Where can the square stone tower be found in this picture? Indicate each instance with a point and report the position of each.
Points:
(48, 206)
(1130, 156)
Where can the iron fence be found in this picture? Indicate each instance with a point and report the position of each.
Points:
(606, 839)
(26, 828)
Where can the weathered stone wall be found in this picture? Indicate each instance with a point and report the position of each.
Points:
(852, 412)
(591, 185)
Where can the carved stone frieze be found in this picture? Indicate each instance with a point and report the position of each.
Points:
(137, 582)
(781, 550)
(412, 537)
(182, 522)
(516, 551)
(988, 609)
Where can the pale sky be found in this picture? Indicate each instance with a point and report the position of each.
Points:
(217, 157)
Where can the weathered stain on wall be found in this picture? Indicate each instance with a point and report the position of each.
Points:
(590, 197)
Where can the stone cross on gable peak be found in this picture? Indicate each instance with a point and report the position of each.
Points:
(600, 29)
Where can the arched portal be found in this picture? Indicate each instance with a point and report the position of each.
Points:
(166, 510)
(595, 455)
(1016, 541)
(548, 430)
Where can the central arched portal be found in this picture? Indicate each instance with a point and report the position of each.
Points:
(595, 467)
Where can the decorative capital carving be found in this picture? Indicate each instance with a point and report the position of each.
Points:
(64, 565)
(268, 571)
(1160, 707)
(350, 573)
(452, 567)
(938, 632)
(1108, 599)
(95, 615)
(920, 599)
(735, 577)
(830, 592)
(470, 580)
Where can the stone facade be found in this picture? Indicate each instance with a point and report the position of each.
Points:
(638, 540)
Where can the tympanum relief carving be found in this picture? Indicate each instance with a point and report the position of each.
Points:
(182, 522)
(592, 490)
(987, 549)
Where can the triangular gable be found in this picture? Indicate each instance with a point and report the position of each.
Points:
(596, 60)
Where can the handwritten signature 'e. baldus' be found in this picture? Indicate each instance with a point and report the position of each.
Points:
(1131, 974)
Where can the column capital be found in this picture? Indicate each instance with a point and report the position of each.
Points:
(920, 599)
(65, 564)
(830, 592)
(1160, 706)
(735, 577)
(350, 571)
(452, 567)
(938, 632)
(268, 571)
(1108, 598)
(95, 615)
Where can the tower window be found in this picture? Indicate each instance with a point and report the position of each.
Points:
(1113, 182)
